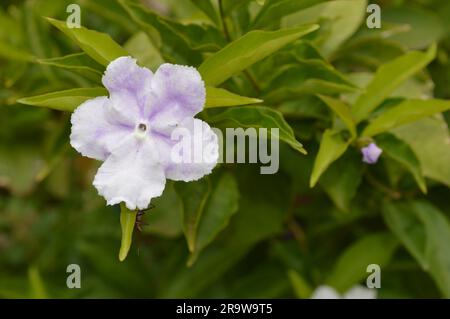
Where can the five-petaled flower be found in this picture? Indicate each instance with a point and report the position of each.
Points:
(371, 153)
(131, 130)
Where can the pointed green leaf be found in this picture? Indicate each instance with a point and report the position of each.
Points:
(99, 46)
(247, 50)
(342, 110)
(406, 112)
(258, 117)
(389, 77)
(67, 100)
(217, 97)
(79, 63)
(127, 222)
(332, 146)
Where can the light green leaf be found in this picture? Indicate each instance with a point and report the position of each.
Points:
(351, 266)
(67, 100)
(406, 112)
(217, 97)
(99, 46)
(127, 222)
(425, 232)
(301, 288)
(387, 78)
(193, 196)
(13, 53)
(258, 117)
(399, 151)
(37, 287)
(141, 48)
(342, 110)
(332, 146)
(250, 48)
(221, 205)
(78, 62)
(429, 139)
(339, 20)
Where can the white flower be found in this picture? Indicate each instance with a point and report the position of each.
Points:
(357, 292)
(131, 130)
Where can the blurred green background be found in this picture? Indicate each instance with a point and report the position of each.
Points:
(284, 233)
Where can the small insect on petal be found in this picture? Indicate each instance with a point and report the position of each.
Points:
(371, 153)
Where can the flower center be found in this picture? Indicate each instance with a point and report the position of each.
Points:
(142, 127)
(140, 130)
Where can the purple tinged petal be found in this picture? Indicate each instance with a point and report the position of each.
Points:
(94, 132)
(178, 93)
(371, 153)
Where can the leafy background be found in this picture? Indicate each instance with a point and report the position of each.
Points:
(321, 220)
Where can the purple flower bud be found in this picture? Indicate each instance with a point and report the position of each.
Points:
(371, 153)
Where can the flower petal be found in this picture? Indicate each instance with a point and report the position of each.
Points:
(179, 92)
(360, 292)
(129, 86)
(131, 174)
(94, 131)
(325, 292)
(190, 152)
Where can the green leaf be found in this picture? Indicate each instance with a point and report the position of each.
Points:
(13, 53)
(332, 146)
(342, 110)
(429, 139)
(301, 288)
(67, 100)
(425, 232)
(37, 287)
(207, 7)
(258, 117)
(178, 42)
(99, 46)
(351, 266)
(78, 62)
(342, 187)
(406, 112)
(339, 20)
(127, 222)
(387, 78)
(193, 196)
(274, 10)
(402, 153)
(221, 205)
(217, 97)
(142, 48)
(164, 218)
(260, 216)
(250, 48)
